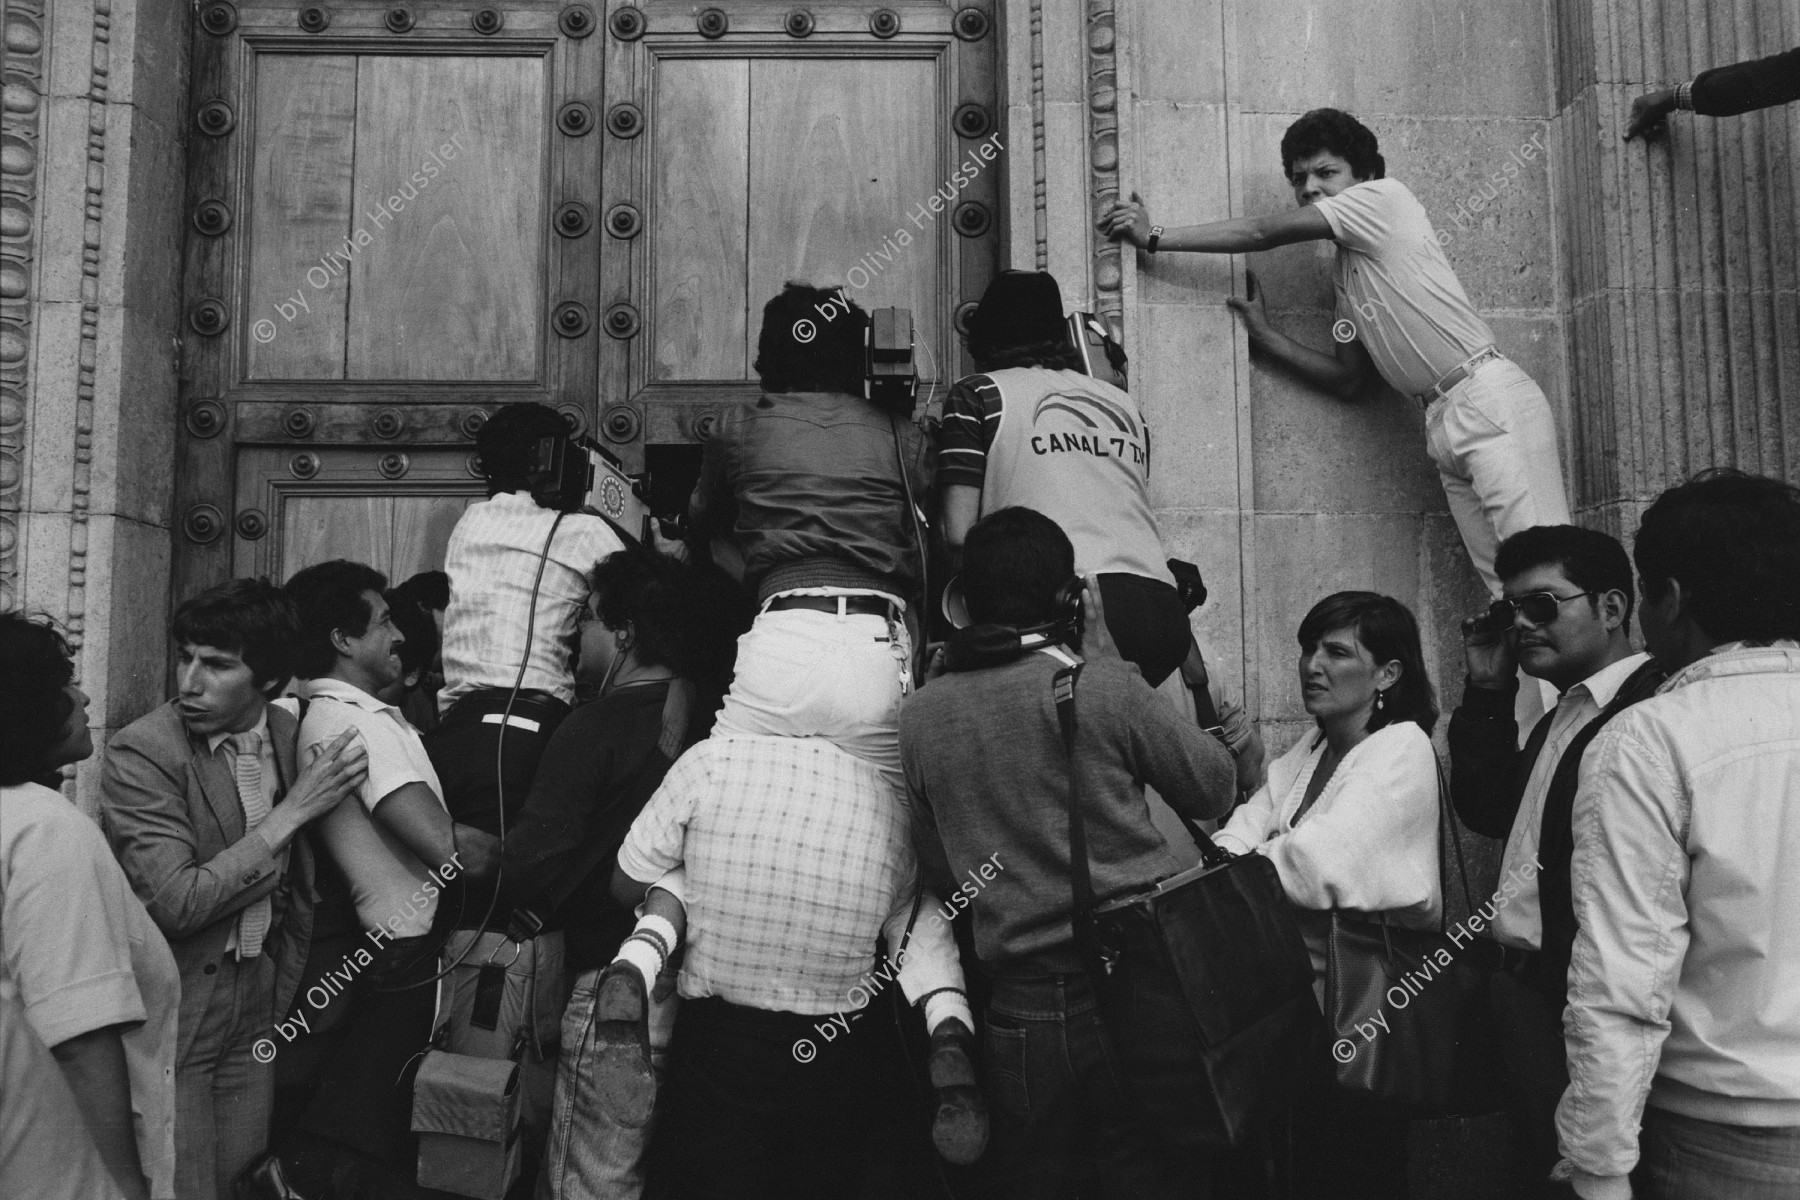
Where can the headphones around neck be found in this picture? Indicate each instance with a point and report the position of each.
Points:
(973, 647)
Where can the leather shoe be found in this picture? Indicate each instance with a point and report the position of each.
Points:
(960, 1128)
(265, 1179)
(622, 1071)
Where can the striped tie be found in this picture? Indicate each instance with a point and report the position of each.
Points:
(253, 922)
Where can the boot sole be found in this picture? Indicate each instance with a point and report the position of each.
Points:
(624, 1080)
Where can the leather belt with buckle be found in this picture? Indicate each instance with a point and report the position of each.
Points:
(1456, 375)
(860, 605)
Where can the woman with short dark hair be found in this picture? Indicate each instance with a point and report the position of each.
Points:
(1349, 817)
(98, 983)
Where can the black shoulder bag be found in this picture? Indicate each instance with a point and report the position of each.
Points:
(1406, 1004)
(1203, 981)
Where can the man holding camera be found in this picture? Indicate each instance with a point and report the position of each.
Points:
(519, 571)
(817, 485)
(1564, 617)
(990, 781)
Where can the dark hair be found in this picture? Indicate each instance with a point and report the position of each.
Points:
(1015, 561)
(327, 597)
(507, 443)
(1593, 561)
(251, 618)
(831, 360)
(34, 710)
(1733, 540)
(1059, 355)
(684, 616)
(427, 589)
(1387, 630)
(420, 649)
(1019, 323)
(1337, 132)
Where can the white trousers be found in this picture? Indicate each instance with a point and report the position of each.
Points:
(1493, 439)
(804, 673)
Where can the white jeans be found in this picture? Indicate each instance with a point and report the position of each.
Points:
(1493, 439)
(804, 673)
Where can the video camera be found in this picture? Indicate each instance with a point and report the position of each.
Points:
(570, 473)
(890, 377)
(1101, 355)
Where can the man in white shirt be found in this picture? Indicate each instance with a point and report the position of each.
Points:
(501, 551)
(396, 845)
(1565, 616)
(1683, 1011)
(1401, 314)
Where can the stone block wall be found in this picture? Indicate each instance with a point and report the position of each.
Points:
(95, 107)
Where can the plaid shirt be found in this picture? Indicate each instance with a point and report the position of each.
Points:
(797, 855)
(492, 560)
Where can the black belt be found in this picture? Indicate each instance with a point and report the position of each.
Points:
(870, 606)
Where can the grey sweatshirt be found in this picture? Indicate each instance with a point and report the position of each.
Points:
(989, 782)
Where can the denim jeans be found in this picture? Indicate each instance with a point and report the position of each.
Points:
(590, 1156)
(1685, 1158)
(805, 673)
(1060, 1118)
(1493, 439)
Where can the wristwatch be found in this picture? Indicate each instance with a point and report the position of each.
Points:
(1155, 237)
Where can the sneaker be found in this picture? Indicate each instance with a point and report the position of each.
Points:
(960, 1128)
(626, 1083)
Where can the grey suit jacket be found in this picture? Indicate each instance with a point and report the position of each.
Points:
(170, 808)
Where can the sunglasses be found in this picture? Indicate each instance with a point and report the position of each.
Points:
(1540, 608)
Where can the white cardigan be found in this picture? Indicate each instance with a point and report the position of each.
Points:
(1370, 841)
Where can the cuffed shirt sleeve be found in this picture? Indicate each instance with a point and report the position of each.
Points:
(658, 837)
(1630, 871)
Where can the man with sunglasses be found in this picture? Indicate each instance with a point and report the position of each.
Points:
(1564, 617)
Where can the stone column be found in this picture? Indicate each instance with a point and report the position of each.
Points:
(1681, 258)
(92, 159)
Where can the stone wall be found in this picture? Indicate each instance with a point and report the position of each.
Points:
(1681, 254)
(92, 170)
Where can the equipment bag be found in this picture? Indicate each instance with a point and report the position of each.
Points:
(1203, 981)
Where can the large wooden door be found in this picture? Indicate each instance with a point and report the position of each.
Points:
(404, 216)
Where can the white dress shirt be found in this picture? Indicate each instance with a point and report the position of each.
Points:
(1521, 922)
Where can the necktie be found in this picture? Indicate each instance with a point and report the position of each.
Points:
(253, 922)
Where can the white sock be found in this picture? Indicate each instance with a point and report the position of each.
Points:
(642, 955)
(941, 1006)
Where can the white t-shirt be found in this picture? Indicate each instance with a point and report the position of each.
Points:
(85, 955)
(392, 889)
(1396, 288)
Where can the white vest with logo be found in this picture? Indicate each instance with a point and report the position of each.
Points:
(1075, 449)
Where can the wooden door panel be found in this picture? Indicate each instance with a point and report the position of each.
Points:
(701, 198)
(449, 186)
(316, 528)
(770, 152)
(300, 207)
(390, 509)
(357, 298)
(839, 152)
